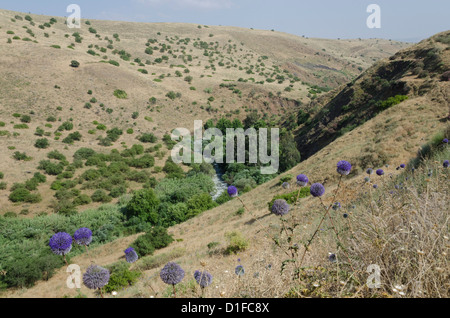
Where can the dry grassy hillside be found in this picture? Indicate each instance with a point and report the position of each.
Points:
(401, 224)
(213, 71)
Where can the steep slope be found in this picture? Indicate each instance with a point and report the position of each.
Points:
(415, 73)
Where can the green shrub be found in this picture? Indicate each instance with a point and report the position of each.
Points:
(120, 94)
(101, 196)
(156, 238)
(236, 242)
(21, 156)
(290, 198)
(25, 119)
(42, 143)
(148, 138)
(74, 63)
(392, 101)
(65, 126)
(51, 168)
(121, 277)
(23, 195)
(115, 63)
(82, 199)
(143, 205)
(83, 153)
(21, 126)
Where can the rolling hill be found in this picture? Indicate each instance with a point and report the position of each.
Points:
(392, 111)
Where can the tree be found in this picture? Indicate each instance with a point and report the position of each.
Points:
(144, 205)
(289, 154)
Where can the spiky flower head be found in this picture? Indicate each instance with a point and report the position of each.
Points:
(83, 236)
(239, 270)
(286, 185)
(317, 190)
(380, 172)
(172, 273)
(446, 163)
(96, 277)
(445, 141)
(302, 180)
(232, 191)
(61, 243)
(367, 179)
(280, 207)
(375, 186)
(344, 167)
(402, 166)
(203, 278)
(131, 255)
(369, 171)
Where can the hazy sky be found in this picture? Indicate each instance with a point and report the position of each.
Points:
(411, 20)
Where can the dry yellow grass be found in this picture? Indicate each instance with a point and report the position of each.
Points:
(416, 120)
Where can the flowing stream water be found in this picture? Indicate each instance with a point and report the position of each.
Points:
(220, 185)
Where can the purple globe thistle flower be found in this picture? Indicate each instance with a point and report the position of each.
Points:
(280, 207)
(131, 255)
(446, 163)
(239, 270)
(375, 186)
(336, 206)
(369, 171)
(61, 243)
(96, 277)
(345, 215)
(302, 180)
(83, 236)
(397, 187)
(203, 278)
(332, 257)
(344, 167)
(317, 190)
(172, 274)
(232, 191)
(445, 141)
(380, 172)
(286, 185)
(402, 166)
(367, 179)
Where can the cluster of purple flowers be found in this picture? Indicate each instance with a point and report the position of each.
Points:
(61, 243)
(203, 278)
(172, 273)
(96, 277)
(446, 163)
(280, 207)
(317, 190)
(344, 167)
(302, 180)
(239, 270)
(83, 236)
(232, 191)
(131, 255)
